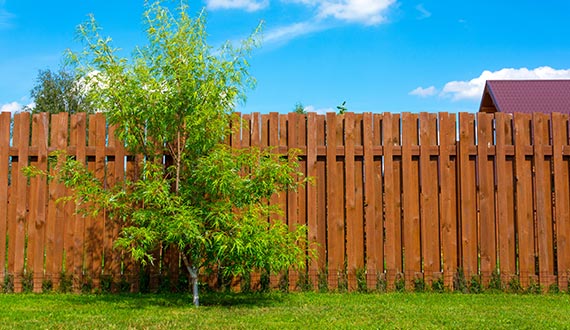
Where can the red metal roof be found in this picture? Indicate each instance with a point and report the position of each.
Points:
(527, 96)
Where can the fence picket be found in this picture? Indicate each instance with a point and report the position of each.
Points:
(524, 202)
(4, 183)
(22, 130)
(485, 165)
(430, 237)
(448, 196)
(562, 197)
(543, 197)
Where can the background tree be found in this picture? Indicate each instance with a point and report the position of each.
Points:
(178, 94)
(299, 108)
(56, 92)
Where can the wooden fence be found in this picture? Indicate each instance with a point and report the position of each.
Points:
(397, 198)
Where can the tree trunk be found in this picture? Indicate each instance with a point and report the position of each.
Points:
(194, 276)
(193, 271)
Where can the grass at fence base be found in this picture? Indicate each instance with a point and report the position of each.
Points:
(277, 311)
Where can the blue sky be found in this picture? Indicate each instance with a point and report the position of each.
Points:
(377, 55)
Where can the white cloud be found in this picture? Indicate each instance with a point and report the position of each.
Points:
(424, 13)
(368, 12)
(248, 5)
(12, 107)
(286, 33)
(424, 92)
(320, 111)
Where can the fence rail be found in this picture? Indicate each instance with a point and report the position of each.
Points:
(396, 198)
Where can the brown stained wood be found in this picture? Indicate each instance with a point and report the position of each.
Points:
(22, 130)
(359, 197)
(562, 198)
(468, 206)
(255, 130)
(374, 188)
(70, 208)
(99, 222)
(271, 138)
(89, 227)
(246, 131)
(393, 247)
(411, 201)
(130, 267)
(379, 229)
(37, 224)
(321, 184)
(13, 200)
(235, 128)
(302, 191)
(4, 166)
(115, 176)
(55, 222)
(352, 240)
(486, 171)
(505, 197)
(429, 199)
(543, 197)
(524, 202)
(79, 129)
(335, 220)
(448, 197)
(282, 145)
(312, 195)
(292, 198)
(373, 236)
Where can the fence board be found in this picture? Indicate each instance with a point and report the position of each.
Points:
(485, 165)
(448, 197)
(115, 175)
(55, 226)
(524, 202)
(543, 193)
(312, 196)
(335, 218)
(37, 225)
(22, 130)
(352, 239)
(373, 225)
(302, 192)
(505, 197)
(393, 247)
(468, 209)
(321, 184)
(292, 198)
(429, 199)
(411, 201)
(78, 129)
(359, 200)
(562, 198)
(4, 168)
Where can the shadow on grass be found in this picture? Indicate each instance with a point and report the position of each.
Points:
(142, 301)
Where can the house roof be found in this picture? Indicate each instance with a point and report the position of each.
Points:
(546, 96)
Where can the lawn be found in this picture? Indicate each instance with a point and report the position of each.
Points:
(292, 311)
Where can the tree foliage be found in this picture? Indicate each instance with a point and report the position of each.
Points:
(56, 92)
(177, 94)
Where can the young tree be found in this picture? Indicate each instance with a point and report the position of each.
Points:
(56, 92)
(177, 95)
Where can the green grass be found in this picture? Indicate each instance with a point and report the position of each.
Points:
(291, 311)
